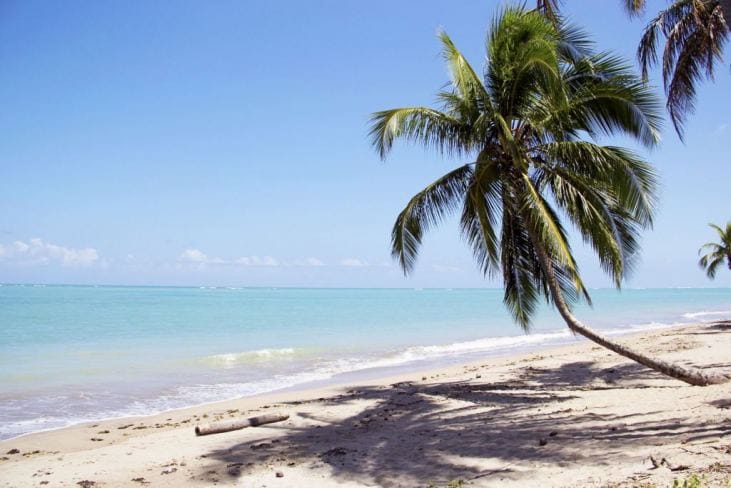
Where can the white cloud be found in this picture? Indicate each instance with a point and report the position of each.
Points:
(21, 247)
(201, 260)
(266, 261)
(193, 256)
(308, 263)
(38, 252)
(721, 130)
(198, 258)
(362, 263)
(353, 263)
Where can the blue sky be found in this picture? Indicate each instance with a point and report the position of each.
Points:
(224, 143)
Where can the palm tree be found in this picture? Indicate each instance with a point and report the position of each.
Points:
(637, 6)
(695, 32)
(551, 7)
(523, 129)
(717, 252)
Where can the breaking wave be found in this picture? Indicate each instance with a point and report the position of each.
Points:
(707, 313)
(230, 360)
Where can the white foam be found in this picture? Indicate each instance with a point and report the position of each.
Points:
(707, 313)
(486, 344)
(229, 360)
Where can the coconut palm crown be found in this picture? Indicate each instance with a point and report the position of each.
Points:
(551, 8)
(716, 252)
(528, 134)
(695, 33)
(526, 130)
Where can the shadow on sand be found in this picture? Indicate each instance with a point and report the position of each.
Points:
(410, 432)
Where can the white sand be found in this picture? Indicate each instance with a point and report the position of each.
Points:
(571, 416)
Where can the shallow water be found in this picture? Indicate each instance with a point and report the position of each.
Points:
(75, 353)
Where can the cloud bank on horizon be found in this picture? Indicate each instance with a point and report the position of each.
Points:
(201, 260)
(37, 252)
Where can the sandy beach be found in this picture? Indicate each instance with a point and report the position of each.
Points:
(570, 416)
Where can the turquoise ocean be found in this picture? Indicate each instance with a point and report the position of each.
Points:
(70, 354)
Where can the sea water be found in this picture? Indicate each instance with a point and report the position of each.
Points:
(70, 354)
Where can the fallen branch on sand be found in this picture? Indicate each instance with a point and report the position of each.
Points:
(237, 424)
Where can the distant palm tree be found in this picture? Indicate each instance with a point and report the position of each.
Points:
(718, 252)
(695, 33)
(520, 128)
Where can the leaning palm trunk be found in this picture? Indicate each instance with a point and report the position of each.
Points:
(693, 376)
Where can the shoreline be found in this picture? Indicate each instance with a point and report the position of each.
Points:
(186, 348)
(81, 452)
(562, 338)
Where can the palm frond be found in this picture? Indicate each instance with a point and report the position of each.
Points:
(716, 252)
(522, 50)
(550, 8)
(424, 125)
(519, 267)
(711, 264)
(464, 79)
(480, 216)
(426, 209)
(634, 7)
(543, 222)
(632, 181)
(590, 209)
(609, 98)
(574, 43)
(723, 234)
(695, 33)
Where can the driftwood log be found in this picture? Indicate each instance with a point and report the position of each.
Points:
(237, 424)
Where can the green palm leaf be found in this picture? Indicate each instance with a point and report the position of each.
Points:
(695, 33)
(716, 252)
(427, 208)
(427, 126)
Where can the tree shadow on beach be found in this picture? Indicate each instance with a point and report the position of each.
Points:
(713, 328)
(720, 325)
(411, 432)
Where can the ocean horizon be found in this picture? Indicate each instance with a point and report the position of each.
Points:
(76, 353)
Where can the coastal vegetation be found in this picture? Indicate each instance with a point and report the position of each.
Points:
(528, 131)
(695, 32)
(716, 252)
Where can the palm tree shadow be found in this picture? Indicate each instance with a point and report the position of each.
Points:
(712, 328)
(721, 325)
(409, 432)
